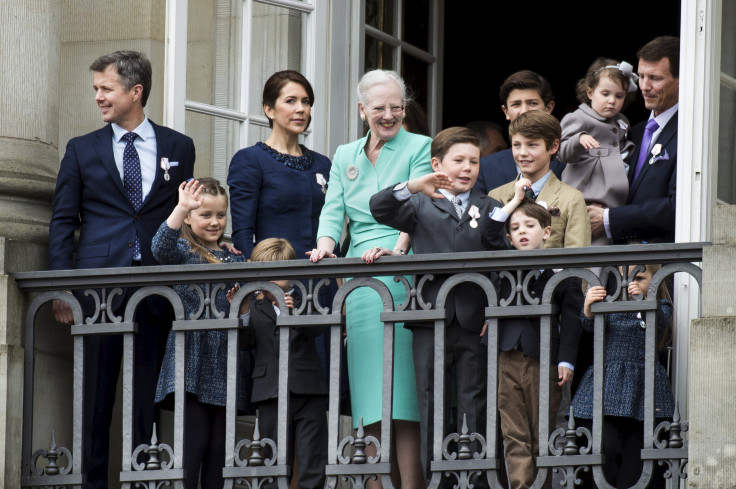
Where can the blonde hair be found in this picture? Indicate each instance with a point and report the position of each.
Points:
(273, 249)
(211, 187)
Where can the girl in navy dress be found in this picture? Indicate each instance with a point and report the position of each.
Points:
(623, 390)
(192, 235)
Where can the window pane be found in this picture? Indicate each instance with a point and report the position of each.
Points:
(276, 43)
(378, 55)
(213, 52)
(216, 141)
(416, 23)
(415, 74)
(380, 14)
(727, 119)
(257, 133)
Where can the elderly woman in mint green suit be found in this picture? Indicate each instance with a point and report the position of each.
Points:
(386, 155)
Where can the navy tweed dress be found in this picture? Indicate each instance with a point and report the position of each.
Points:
(623, 391)
(205, 351)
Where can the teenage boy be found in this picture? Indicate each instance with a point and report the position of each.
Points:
(528, 227)
(535, 139)
(520, 92)
(442, 214)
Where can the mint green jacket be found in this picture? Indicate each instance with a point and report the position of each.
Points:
(353, 180)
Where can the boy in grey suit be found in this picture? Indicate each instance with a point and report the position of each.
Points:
(442, 214)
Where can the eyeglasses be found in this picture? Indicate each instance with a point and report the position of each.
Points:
(394, 109)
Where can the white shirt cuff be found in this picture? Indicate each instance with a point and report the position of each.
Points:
(568, 365)
(402, 194)
(606, 224)
(498, 214)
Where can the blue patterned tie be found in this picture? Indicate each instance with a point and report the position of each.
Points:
(646, 141)
(132, 179)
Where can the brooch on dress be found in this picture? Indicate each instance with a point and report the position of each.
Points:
(352, 172)
(322, 182)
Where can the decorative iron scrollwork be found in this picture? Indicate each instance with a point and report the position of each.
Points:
(103, 305)
(52, 455)
(359, 443)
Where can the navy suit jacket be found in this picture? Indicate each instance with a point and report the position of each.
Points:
(565, 328)
(499, 169)
(90, 197)
(649, 213)
(305, 369)
(434, 227)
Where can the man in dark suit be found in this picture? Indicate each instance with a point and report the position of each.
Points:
(436, 224)
(520, 92)
(116, 185)
(649, 213)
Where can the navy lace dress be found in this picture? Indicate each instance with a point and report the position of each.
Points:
(623, 391)
(205, 351)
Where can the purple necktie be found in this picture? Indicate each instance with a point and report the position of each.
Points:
(645, 142)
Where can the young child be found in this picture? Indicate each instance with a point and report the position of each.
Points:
(529, 226)
(623, 391)
(520, 92)
(535, 138)
(192, 235)
(442, 214)
(307, 429)
(594, 137)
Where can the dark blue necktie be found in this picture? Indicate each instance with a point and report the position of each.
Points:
(132, 179)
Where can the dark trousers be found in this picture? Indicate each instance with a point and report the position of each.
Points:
(623, 439)
(204, 444)
(469, 357)
(306, 433)
(102, 360)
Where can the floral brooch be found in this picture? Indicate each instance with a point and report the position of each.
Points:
(352, 172)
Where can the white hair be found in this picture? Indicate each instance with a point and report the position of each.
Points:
(379, 77)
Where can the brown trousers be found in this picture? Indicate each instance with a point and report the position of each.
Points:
(518, 405)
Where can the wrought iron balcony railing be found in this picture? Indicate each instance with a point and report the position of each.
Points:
(468, 458)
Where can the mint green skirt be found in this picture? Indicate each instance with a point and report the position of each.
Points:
(365, 350)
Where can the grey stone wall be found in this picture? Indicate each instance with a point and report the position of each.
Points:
(712, 363)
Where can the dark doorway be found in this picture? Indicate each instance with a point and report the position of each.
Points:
(487, 41)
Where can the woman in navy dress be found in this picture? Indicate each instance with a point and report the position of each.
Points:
(277, 186)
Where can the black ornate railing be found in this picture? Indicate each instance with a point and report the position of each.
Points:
(466, 458)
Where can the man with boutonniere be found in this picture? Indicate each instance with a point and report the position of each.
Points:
(115, 186)
(649, 212)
